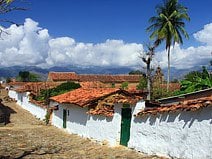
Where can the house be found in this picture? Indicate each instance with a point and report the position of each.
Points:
(103, 114)
(23, 96)
(181, 127)
(109, 80)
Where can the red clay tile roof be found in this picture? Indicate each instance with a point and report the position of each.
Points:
(71, 76)
(36, 87)
(62, 76)
(106, 106)
(109, 78)
(94, 84)
(187, 105)
(86, 96)
(16, 83)
(83, 96)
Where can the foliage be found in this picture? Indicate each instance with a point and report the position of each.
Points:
(136, 72)
(8, 80)
(158, 93)
(124, 85)
(142, 84)
(7, 6)
(195, 81)
(63, 88)
(26, 76)
(168, 26)
(113, 85)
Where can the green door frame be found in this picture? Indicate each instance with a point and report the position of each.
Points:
(64, 118)
(126, 115)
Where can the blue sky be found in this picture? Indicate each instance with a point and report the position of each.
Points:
(96, 21)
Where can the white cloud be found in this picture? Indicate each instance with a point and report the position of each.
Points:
(205, 35)
(191, 56)
(31, 45)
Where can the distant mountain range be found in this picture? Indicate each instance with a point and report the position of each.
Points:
(14, 70)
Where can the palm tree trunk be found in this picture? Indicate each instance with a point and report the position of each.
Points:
(168, 75)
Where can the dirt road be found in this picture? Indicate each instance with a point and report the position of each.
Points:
(27, 137)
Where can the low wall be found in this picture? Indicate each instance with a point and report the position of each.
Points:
(37, 111)
(98, 127)
(179, 135)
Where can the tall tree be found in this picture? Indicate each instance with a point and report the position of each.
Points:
(169, 26)
(147, 58)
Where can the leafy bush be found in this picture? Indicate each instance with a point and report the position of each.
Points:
(142, 84)
(63, 88)
(195, 81)
(124, 85)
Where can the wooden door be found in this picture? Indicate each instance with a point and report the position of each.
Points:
(126, 115)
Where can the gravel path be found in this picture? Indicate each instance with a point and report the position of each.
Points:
(27, 137)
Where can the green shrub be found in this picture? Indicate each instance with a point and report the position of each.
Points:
(63, 88)
(124, 85)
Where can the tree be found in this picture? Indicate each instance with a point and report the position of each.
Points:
(26, 76)
(142, 84)
(168, 26)
(136, 72)
(124, 85)
(7, 6)
(195, 81)
(147, 58)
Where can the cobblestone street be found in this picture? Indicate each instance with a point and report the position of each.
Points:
(26, 137)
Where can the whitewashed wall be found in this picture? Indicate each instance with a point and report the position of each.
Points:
(13, 94)
(98, 127)
(104, 128)
(179, 135)
(23, 101)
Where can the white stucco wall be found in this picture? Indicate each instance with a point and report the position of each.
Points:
(23, 101)
(13, 94)
(104, 128)
(180, 135)
(98, 127)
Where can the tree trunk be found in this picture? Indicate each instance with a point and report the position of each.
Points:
(168, 75)
(148, 81)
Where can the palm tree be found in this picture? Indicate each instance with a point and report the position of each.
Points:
(168, 26)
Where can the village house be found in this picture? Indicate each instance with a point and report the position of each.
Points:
(24, 92)
(181, 127)
(103, 114)
(108, 80)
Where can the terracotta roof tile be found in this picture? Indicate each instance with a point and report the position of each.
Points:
(62, 76)
(82, 96)
(36, 87)
(72, 76)
(85, 96)
(187, 105)
(94, 84)
(109, 78)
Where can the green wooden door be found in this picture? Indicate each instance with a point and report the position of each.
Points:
(125, 125)
(64, 118)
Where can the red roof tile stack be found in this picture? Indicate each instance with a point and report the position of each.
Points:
(187, 105)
